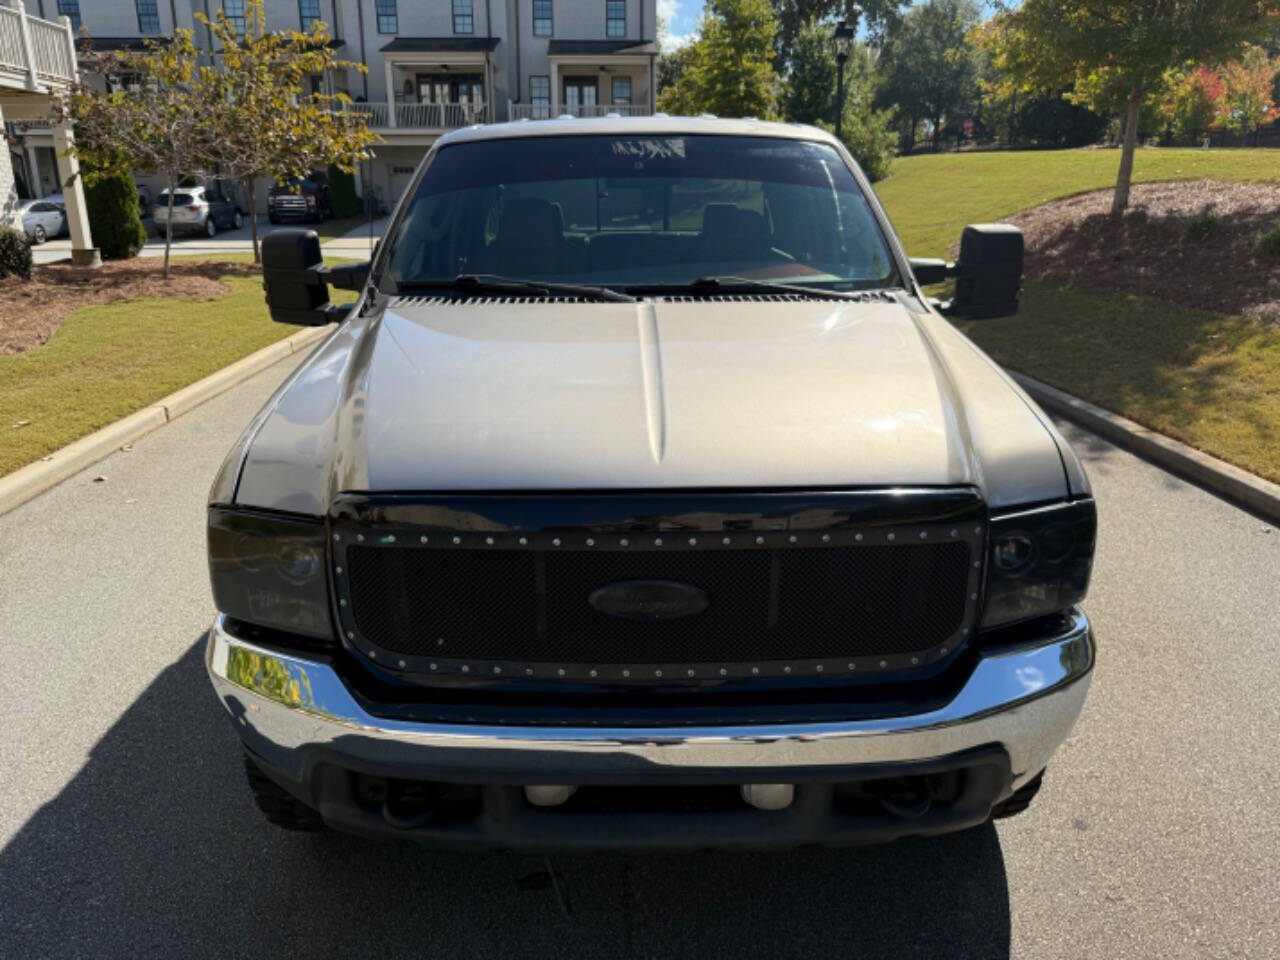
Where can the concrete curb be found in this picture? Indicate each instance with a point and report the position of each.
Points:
(1229, 482)
(35, 478)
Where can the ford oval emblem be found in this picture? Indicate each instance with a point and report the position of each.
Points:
(649, 600)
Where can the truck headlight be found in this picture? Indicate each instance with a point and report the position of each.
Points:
(270, 570)
(1038, 561)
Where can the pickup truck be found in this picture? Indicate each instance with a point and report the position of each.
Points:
(642, 498)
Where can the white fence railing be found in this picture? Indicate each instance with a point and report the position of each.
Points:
(529, 111)
(40, 49)
(422, 116)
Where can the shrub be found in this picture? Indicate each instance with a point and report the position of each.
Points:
(342, 193)
(1268, 244)
(15, 253)
(1202, 226)
(112, 203)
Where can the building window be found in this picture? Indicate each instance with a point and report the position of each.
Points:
(387, 19)
(463, 22)
(71, 10)
(542, 18)
(540, 97)
(622, 91)
(615, 18)
(308, 13)
(148, 17)
(234, 9)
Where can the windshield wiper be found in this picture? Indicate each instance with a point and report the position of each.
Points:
(478, 282)
(732, 284)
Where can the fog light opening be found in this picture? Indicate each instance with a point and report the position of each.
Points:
(548, 795)
(409, 805)
(769, 796)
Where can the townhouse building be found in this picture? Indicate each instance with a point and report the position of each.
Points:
(432, 65)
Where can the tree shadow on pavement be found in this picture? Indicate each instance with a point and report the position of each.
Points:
(156, 849)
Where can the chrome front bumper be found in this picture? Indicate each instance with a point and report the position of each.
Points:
(293, 712)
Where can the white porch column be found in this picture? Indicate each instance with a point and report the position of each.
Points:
(33, 168)
(555, 89)
(391, 95)
(83, 252)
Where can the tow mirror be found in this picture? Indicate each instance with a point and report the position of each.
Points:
(297, 280)
(988, 274)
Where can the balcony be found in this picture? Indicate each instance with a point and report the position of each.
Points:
(420, 117)
(35, 53)
(529, 111)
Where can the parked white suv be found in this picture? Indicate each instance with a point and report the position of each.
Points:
(198, 210)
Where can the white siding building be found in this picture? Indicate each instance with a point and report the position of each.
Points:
(434, 65)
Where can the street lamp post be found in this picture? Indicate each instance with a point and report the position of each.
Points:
(843, 37)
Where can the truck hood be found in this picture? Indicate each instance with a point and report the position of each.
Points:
(753, 393)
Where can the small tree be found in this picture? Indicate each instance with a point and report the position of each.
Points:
(272, 125)
(112, 204)
(1248, 90)
(1193, 100)
(729, 71)
(874, 18)
(1116, 53)
(163, 125)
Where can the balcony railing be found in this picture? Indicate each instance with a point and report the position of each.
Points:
(529, 111)
(35, 51)
(422, 116)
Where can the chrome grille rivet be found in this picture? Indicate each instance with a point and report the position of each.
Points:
(792, 538)
(389, 538)
(465, 668)
(977, 564)
(892, 536)
(723, 672)
(424, 539)
(786, 669)
(977, 529)
(755, 669)
(965, 631)
(759, 540)
(593, 673)
(336, 537)
(555, 542)
(489, 541)
(973, 596)
(373, 654)
(625, 542)
(401, 663)
(819, 668)
(350, 635)
(690, 672)
(884, 663)
(626, 673)
(560, 672)
(857, 536)
(337, 569)
(955, 533)
(590, 542)
(657, 541)
(725, 541)
(693, 541)
(826, 538)
(657, 673)
(853, 666)
(524, 541)
(497, 669)
(342, 603)
(528, 671)
(924, 534)
(457, 540)
(915, 660)
(433, 666)
(943, 650)
(360, 537)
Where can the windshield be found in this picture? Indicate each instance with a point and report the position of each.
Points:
(641, 211)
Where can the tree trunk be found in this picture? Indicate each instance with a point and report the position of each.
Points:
(168, 229)
(249, 185)
(1120, 202)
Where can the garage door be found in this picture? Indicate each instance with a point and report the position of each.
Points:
(400, 177)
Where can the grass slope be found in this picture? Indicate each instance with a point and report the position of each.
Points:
(931, 197)
(107, 361)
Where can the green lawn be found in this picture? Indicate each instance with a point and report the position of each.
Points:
(107, 361)
(1210, 380)
(932, 197)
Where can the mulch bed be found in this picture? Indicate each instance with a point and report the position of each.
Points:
(1189, 243)
(32, 310)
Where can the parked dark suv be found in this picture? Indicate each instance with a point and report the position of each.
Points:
(300, 199)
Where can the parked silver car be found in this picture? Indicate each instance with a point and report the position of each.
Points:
(644, 499)
(42, 219)
(198, 210)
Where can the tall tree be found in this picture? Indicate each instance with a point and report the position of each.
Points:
(729, 68)
(273, 125)
(874, 18)
(165, 124)
(931, 68)
(1117, 52)
(809, 96)
(1248, 90)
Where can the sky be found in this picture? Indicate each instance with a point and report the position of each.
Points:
(681, 19)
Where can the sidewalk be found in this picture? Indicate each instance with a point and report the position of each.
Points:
(354, 243)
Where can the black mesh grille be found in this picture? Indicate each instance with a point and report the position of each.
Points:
(764, 604)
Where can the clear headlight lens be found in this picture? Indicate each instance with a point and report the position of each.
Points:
(1039, 561)
(270, 571)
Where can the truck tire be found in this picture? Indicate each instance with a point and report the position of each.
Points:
(1020, 800)
(278, 805)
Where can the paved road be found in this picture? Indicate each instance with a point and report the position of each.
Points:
(125, 829)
